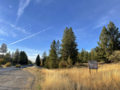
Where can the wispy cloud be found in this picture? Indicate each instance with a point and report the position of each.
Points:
(101, 22)
(22, 5)
(3, 33)
(30, 36)
(15, 27)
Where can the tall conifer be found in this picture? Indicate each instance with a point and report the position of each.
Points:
(68, 46)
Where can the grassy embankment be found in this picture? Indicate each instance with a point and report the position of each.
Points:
(106, 78)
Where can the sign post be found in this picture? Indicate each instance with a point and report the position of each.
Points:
(93, 65)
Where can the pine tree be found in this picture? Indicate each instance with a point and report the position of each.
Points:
(44, 57)
(7, 57)
(58, 49)
(82, 55)
(89, 56)
(103, 44)
(69, 61)
(114, 41)
(23, 59)
(79, 58)
(13, 56)
(85, 57)
(53, 56)
(95, 55)
(92, 54)
(38, 60)
(68, 46)
(46, 63)
(17, 56)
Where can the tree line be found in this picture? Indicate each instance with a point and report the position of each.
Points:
(17, 57)
(66, 54)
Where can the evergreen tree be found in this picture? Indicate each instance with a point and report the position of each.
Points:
(46, 63)
(103, 44)
(114, 39)
(89, 56)
(13, 57)
(3, 48)
(23, 59)
(95, 55)
(68, 46)
(85, 57)
(53, 56)
(16, 56)
(92, 54)
(69, 61)
(7, 57)
(82, 55)
(58, 49)
(79, 57)
(44, 57)
(38, 60)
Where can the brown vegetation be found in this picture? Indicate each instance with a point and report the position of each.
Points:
(8, 64)
(106, 78)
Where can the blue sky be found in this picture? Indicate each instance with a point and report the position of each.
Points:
(32, 25)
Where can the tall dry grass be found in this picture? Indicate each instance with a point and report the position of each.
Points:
(106, 78)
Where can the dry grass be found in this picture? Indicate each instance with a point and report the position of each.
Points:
(106, 78)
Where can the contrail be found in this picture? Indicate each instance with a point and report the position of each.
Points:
(30, 36)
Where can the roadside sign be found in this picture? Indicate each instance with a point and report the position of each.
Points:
(93, 65)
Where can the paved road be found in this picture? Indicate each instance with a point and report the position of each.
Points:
(15, 79)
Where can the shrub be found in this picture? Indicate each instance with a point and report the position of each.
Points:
(114, 57)
(77, 64)
(2, 61)
(8, 64)
(63, 64)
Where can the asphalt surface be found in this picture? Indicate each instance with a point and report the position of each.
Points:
(15, 79)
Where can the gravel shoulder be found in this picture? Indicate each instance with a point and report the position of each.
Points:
(16, 79)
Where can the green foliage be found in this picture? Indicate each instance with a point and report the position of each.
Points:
(78, 64)
(68, 46)
(85, 57)
(16, 58)
(63, 64)
(115, 56)
(7, 57)
(30, 62)
(38, 60)
(44, 58)
(69, 61)
(89, 56)
(53, 61)
(23, 59)
(46, 63)
(103, 43)
(3, 48)
(109, 41)
(2, 61)
(58, 49)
